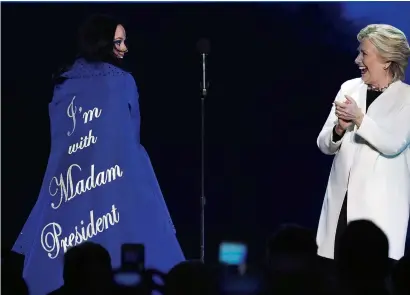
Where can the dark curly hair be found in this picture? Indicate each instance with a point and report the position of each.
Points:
(95, 43)
(95, 39)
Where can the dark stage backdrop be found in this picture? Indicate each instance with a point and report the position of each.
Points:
(274, 68)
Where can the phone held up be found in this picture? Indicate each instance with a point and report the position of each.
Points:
(132, 265)
(235, 275)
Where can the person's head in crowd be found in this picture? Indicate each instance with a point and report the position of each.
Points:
(400, 276)
(87, 266)
(12, 265)
(363, 253)
(292, 262)
(13, 283)
(191, 278)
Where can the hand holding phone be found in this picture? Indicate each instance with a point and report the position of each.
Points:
(132, 265)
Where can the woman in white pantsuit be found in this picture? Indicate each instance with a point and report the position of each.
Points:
(368, 131)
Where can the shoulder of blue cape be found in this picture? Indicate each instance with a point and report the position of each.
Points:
(92, 91)
(82, 70)
(106, 76)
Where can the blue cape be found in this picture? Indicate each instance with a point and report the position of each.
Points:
(99, 184)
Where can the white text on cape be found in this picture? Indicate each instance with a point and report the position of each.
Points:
(53, 241)
(69, 190)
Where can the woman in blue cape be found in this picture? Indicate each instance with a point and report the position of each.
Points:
(99, 184)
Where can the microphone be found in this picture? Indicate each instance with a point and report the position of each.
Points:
(203, 47)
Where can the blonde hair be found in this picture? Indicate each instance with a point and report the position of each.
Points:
(392, 46)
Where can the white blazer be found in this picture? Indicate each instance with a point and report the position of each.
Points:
(372, 163)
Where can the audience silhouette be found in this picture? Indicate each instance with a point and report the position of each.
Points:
(191, 278)
(400, 282)
(363, 258)
(87, 270)
(291, 267)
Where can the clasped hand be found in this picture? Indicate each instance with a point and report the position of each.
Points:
(349, 111)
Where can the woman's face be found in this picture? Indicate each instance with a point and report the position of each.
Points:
(371, 65)
(120, 49)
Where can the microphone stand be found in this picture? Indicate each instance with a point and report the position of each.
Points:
(204, 92)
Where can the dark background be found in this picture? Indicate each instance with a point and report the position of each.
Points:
(275, 69)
